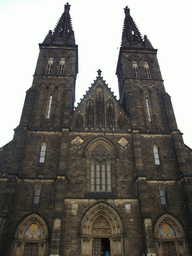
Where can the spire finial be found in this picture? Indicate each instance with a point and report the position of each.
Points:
(99, 72)
(67, 7)
(127, 11)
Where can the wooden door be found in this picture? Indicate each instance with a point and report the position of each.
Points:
(169, 249)
(31, 249)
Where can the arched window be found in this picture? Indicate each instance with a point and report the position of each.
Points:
(37, 194)
(42, 153)
(168, 233)
(135, 69)
(156, 155)
(49, 106)
(32, 235)
(49, 66)
(148, 109)
(79, 122)
(162, 195)
(90, 114)
(100, 170)
(110, 114)
(147, 70)
(61, 66)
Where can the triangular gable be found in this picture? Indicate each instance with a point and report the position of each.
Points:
(99, 109)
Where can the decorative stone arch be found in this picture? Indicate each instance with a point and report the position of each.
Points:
(108, 149)
(38, 237)
(169, 235)
(101, 221)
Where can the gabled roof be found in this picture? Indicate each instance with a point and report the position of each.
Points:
(98, 80)
(100, 110)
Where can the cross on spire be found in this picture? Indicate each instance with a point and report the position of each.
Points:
(99, 72)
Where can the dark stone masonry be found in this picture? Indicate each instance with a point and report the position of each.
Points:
(109, 175)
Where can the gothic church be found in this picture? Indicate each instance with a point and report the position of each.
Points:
(109, 175)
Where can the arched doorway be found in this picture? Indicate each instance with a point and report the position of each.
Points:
(31, 237)
(170, 237)
(101, 231)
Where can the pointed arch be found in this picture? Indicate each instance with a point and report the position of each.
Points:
(110, 114)
(169, 236)
(101, 221)
(100, 173)
(31, 234)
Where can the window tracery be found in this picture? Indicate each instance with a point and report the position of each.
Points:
(147, 70)
(135, 69)
(100, 170)
(61, 66)
(49, 66)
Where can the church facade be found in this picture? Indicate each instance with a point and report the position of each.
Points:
(107, 176)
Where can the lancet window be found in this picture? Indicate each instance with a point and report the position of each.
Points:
(110, 114)
(100, 170)
(90, 114)
(147, 70)
(49, 66)
(156, 155)
(162, 195)
(42, 153)
(148, 109)
(61, 66)
(37, 194)
(135, 69)
(49, 106)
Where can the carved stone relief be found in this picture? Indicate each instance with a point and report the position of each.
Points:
(101, 227)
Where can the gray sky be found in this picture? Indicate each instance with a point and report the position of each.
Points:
(98, 28)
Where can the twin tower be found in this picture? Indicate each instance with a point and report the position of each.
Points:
(107, 176)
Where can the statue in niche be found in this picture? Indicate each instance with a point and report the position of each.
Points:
(90, 115)
(110, 114)
(100, 115)
(79, 122)
(121, 123)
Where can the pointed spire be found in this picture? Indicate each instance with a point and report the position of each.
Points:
(131, 35)
(63, 32)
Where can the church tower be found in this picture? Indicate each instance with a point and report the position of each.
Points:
(50, 100)
(109, 177)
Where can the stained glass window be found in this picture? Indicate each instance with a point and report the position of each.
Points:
(32, 232)
(167, 231)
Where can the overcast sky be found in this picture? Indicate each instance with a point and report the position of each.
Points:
(98, 28)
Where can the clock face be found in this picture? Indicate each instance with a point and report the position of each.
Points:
(33, 232)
